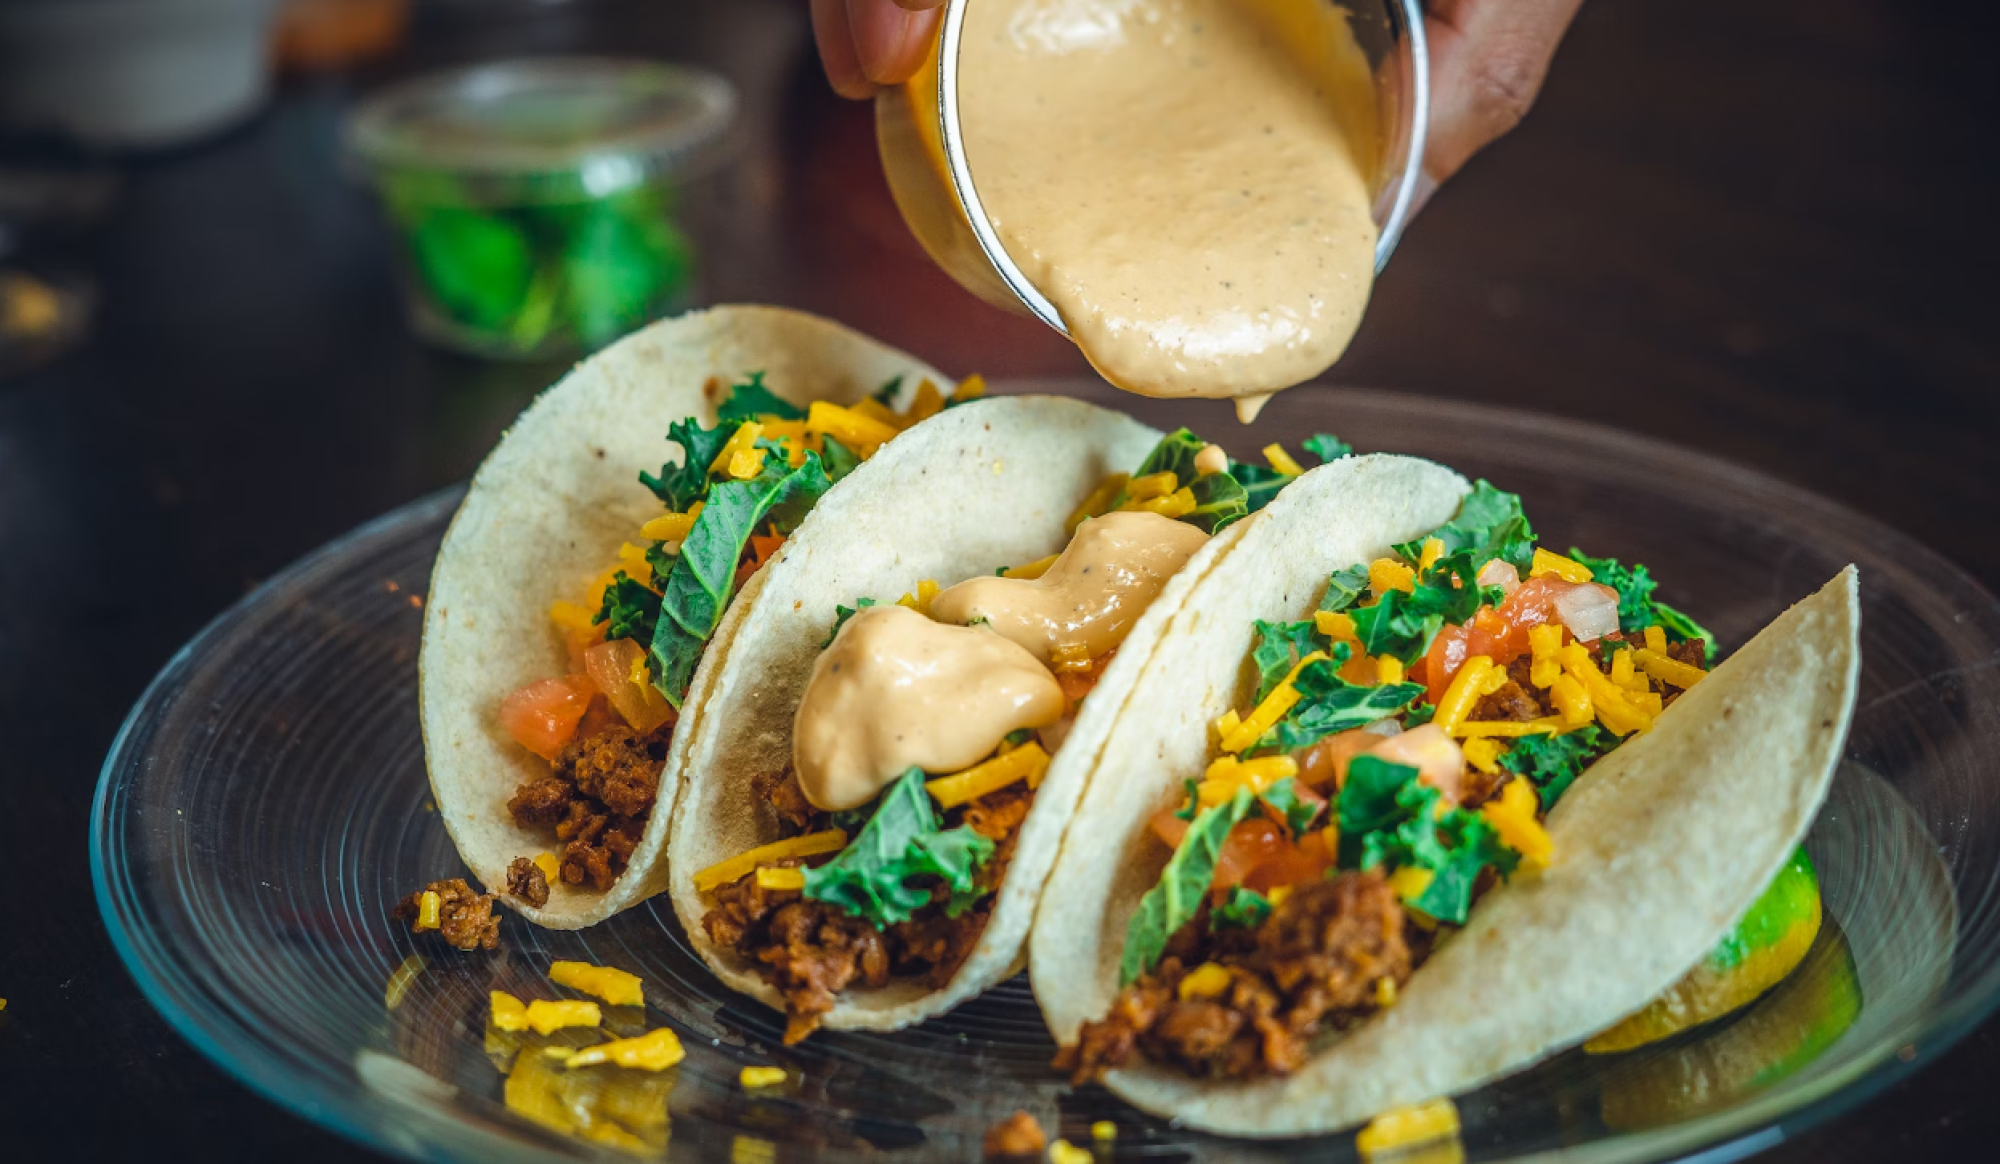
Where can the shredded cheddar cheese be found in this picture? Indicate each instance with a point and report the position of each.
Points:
(970, 388)
(1204, 981)
(1070, 657)
(1409, 882)
(1027, 762)
(743, 439)
(920, 602)
(753, 1078)
(1228, 773)
(546, 1017)
(1505, 728)
(1402, 1127)
(550, 867)
(1386, 574)
(810, 845)
(673, 527)
(864, 434)
(1567, 569)
(1336, 625)
(1385, 992)
(1267, 714)
(1432, 551)
(1656, 640)
(509, 1013)
(1464, 692)
(427, 911)
(1512, 815)
(1151, 485)
(652, 1051)
(1282, 461)
(1666, 669)
(1388, 669)
(781, 877)
(1572, 701)
(1100, 499)
(609, 983)
(1616, 712)
(572, 618)
(1034, 569)
(1484, 753)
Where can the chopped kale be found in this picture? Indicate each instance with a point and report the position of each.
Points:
(750, 400)
(1328, 704)
(1490, 525)
(1280, 645)
(840, 616)
(1299, 813)
(629, 610)
(871, 877)
(1173, 902)
(1389, 820)
(1327, 447)
(1553, 762)
(838, 458)
(680, 486)
(1345, 588)
(1242, 909)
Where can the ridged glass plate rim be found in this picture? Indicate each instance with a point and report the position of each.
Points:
(206, 1022)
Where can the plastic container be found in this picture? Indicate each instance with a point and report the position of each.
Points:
(538, 205)
(918, 133)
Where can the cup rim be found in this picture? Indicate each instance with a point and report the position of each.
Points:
(958, 167)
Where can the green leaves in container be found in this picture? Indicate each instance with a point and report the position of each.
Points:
(476, 267)
(704, 574)
(871, 878)
(622, 258)
(1173, 902)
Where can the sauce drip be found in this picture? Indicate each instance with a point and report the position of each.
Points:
(1105, 579)
(1189, 182)
(896, 690)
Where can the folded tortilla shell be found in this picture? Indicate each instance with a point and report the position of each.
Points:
(986, 485)
(545, 514)
(1660, 847)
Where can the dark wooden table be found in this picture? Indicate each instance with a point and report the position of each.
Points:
(1762, 229)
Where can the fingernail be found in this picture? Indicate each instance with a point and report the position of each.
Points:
(889, 42)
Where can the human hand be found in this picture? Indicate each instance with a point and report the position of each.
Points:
(1488, 59)
(868, 44)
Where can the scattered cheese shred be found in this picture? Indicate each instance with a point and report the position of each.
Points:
(1656, 640)
(1484, 754)
(1228, 773)
(1064, 1152)
(781, 877)
(1385, 992)
(1204, 981)
(1026, 762)
(1282, 461)
(742, 440)
(399, 983)
(921, 600)
(572, 618)
(1567, 569)
(1504, 728)
(1572, 701)
(1432, 551)
(427, 911)
(1409, 882)
(753, 1078)
(1104, 1130)
(1616, 712)
(927, 403)
(1151, 485)
(1402, 1127)
(673, 527)
(1388, 669)
(1267, 714)
(509, 1013)
(609, 983)
(547, 1017)
(1666, 669)
(1034, 569)
(1463, 693)
(1386, 574)
(550, 867)
(1070, 657)
(1279, 893)
(1335, 624)
(863, 434)
(810, 845)
(1512, 815)
(1177, 504)
(1100, 499)
(970, 388)
(1225, 723)
(652, 1051)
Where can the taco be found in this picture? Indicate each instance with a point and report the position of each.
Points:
(578, 600)
(876, 789)
(1315, 874)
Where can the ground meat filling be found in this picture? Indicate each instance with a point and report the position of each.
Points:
(1017, 1135)
(1313, 965)
(596, 797)
(465, 918)
(526, 881)
(812, 951)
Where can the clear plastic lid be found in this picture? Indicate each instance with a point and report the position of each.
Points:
(548, 129)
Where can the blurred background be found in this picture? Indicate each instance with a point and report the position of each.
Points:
(1764, 230)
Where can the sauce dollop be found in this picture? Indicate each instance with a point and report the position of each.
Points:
(1189, 182)
(1105, 579)
(896, 690)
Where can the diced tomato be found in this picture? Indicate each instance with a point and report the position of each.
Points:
(1435, 755)
(762, 546)
(1250, 844)
(1291, 865)
(1499, 634)
(1324, 764)
(612, 667)
(1169, 827)
(542, 716)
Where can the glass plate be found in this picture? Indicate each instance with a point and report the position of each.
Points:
(265, 806)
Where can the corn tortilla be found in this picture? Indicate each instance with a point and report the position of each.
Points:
(545, 513)
(986, 485)
(1660, 847)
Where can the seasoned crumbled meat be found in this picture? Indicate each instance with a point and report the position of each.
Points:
(1313, 963)
(1017, 1135)
(596, 797)
(812, 951)
(1689, 651)
(526, 881)
(465, 918)
(796, 814)
(1514, 701)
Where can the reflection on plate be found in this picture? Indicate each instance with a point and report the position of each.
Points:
(266, 806)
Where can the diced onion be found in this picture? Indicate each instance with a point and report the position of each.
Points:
(1590, 611)
(1385, 727)
(1499, 573)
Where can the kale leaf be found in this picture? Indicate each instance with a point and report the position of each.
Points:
(686, 483)
(1368, 801)
(887, 393)
(1299, 814)
(704, 574)
(838, 458)
(1637, 608)
(1490, 525)
(1260, 483)
(1242, 909)
(1389, 820)
(1553, 762)
(840, 616)
(870, 878)
(750, 400)
(1402, 623)
(1345, 588)
(1191, 790)
(1280, 645)
(1328, 704)
(631, 610)
(1681, 628)
(1219, 498)
(1170, 904)
(1327, 447)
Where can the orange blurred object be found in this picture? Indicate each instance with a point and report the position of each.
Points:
(316, 35)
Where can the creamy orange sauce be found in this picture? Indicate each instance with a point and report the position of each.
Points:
(1090, 596)
(896, 690)
(1190, 182)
